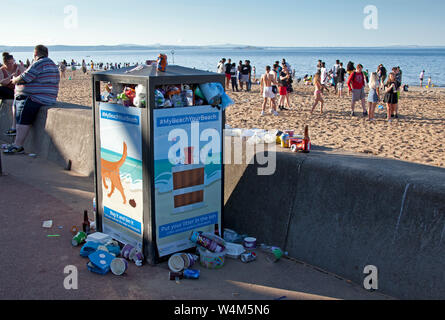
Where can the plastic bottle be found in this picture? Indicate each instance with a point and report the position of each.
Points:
(209, 241)
(162, 62)
(306, 140)
(273, 254)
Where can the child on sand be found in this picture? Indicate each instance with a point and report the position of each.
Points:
(318, 93)
(373, 96)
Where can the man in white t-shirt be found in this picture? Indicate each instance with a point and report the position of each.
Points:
(422, 75)
(221, 66)
(323, 74)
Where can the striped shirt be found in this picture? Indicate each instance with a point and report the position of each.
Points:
(41, 82)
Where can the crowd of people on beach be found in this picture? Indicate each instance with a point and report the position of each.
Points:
(31, 87)
(276, 81)
(380, 85)
(276, 85)
(91, 66)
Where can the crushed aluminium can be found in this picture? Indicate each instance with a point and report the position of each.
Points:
(248, 257)
(191, 274)
(79, 238)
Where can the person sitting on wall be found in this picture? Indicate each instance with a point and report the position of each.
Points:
(37, 86)
(9, 70)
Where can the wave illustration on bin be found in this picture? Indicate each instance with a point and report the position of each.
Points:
(188, 184)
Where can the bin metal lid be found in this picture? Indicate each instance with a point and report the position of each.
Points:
(152, 72)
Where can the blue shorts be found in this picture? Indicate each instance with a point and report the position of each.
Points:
(26, 110)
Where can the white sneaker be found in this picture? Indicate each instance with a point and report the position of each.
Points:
(275, 114)
(263, 114)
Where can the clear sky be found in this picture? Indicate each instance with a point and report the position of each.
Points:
(209, 22)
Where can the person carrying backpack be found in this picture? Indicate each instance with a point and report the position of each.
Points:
(356, 85)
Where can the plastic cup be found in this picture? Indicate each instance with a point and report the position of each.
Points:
(118, 266)
(176, 263)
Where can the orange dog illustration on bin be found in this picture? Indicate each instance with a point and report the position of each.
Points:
(111, 171)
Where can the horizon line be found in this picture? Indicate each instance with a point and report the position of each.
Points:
(220, 46)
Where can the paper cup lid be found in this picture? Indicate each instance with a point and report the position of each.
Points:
(186, 259)
(249, 239)
(118, 266)
(176, 263)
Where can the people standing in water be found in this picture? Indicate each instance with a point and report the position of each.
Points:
(373, 96)
(421, 77)
(318, 93)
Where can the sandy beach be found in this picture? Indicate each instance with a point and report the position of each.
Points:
(417, 136)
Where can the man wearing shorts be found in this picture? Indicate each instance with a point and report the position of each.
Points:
(356, 85)
(268, 80)
(244, 76)
(341, 72)
(37, 86)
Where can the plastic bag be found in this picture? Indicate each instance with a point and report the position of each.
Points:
(255, 139)
(159, 99)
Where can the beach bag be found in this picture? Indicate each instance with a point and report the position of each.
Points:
(289, 88)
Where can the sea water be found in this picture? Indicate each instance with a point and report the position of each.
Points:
(303, 60)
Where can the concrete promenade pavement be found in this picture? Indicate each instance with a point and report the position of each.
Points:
(33, 190)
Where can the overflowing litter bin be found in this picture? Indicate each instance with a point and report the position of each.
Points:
(158, 156)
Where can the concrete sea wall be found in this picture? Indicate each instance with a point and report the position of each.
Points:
(338, 211)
